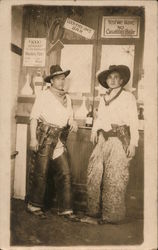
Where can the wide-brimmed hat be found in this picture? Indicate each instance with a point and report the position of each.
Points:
(123, 70)
(56, 70)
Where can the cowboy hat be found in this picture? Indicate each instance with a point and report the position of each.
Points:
(56, 70)
(121, 69)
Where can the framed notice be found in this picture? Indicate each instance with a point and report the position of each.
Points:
(34, 52)
(120, 27)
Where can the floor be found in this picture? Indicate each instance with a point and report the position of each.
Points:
(27, 230)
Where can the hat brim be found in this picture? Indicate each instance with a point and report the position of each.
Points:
(121, 69)
(48, 78)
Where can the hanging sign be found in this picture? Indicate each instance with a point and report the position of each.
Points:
(34, 52)
(120, 27)
(79, 28)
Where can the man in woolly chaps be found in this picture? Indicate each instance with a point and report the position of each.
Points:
(115, 133)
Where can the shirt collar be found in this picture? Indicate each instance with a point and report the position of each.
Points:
(113, 91)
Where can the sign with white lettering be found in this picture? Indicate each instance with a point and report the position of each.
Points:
(120, 27)
(34, 52)
(79, 28)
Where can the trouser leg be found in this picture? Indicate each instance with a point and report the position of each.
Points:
(50, 194)
(39, 178)
(47, 141)
(94, 178)
(63, 182)
(115, 180)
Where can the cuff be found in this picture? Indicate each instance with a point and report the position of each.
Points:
(134, 143)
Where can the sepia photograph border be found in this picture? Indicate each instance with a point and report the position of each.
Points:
(150, 114)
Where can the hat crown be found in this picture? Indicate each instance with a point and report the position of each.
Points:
(54, 69)
(112, 67)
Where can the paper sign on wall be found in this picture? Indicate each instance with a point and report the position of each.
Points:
(78, 28)
(120, 27)
(34, 52)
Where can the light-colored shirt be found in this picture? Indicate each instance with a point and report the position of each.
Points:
(121, 111)
(49, 108)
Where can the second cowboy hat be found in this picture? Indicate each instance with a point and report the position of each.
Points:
(56, 70)
(121, 69)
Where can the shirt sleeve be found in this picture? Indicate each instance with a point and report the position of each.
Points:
(70, 109)
(98, 122)
(133, 121)
(36, 109)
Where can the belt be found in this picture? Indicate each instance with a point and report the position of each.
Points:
(44, 130)
(107, 134)
(49, 124)
(116, 131)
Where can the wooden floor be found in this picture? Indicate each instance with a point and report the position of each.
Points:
(27, 230)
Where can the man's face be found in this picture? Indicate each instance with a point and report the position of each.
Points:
(114, 80)
(58, 81)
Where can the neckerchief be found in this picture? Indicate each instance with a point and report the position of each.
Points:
(60, 95)
(114, 97)
(108, 91)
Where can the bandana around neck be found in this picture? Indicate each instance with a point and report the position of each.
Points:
(107, 102)
(60, 95)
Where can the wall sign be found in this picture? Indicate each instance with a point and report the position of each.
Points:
(34, 52)
(79, 28)
(120, 27)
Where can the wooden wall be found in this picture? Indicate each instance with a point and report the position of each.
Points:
(16, 52)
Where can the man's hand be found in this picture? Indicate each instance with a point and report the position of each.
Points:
(94, 137)
(73, 126)
(34, 145)
(130, 151)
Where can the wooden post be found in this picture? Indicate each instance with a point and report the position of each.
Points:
(20, 162)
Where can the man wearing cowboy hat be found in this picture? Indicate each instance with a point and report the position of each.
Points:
(115, 133)
(50, 121)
